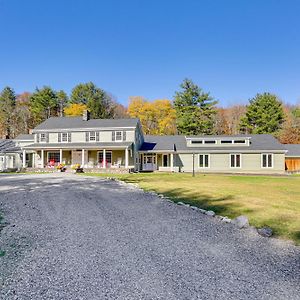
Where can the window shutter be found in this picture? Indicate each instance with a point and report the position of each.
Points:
(69, 137)
(97, 136)
(59, 137)
(86, 136)
(37, 138)
(124, 135)
(113, 136)
(47, 137)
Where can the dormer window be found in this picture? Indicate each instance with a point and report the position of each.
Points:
(210, 142)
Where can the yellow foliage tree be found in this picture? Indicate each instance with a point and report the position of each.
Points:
(157, 117)
(75, 109)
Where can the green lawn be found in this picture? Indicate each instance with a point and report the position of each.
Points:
(267, 201)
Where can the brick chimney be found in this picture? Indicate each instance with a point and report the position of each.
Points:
(86, 115)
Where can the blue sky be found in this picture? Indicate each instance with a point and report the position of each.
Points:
(232, 48)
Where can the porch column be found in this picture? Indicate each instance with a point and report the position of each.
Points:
(60, 156)
(42, 157)
(126, 158)
(171, 161)
(24, 159)
(82, 158)
(104, 159)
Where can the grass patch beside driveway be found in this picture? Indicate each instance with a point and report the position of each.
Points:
(267, 200)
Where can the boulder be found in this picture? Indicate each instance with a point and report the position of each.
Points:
(226, 220)
(210, 213)
(265, 231)
(194, 207)
(203, 211)
(241, 222)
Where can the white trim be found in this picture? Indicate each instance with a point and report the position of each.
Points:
(240, 154)
(261, 161)
(204, 161)
(53, 130)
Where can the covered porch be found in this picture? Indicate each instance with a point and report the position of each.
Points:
(164, 162)
(86, 158)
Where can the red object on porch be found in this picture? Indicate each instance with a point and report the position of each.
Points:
(52, 163)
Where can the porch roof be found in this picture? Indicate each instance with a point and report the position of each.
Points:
(90, 145)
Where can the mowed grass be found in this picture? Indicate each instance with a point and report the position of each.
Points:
(267, 201)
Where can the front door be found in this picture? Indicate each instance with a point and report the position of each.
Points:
(149, 162)
(76, 157)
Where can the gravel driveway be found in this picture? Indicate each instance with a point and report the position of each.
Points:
(73, 237)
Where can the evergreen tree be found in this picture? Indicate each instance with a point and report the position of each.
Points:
(62, 100)
(43, 104)
(98, 102)
(7, 106)
(264, 115)
(195, 110)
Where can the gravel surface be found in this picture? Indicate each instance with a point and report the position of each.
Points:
(73, 237)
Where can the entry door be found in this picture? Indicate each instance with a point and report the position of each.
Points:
(149, 163)
(76, 157)
(165, 160)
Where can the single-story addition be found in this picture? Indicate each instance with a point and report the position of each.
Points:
(292, 157)
(10, 156)
(219, 154)
(119, 144)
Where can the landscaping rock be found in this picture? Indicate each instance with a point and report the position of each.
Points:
(203, 211)
(180, 203)
(241, 222)
(194, 207)
(226, 220)
(265, 231)
(210, 213)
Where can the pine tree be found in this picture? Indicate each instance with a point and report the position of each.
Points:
(98, 102)
(43, 104)
(264, 115)
(195, 110)
(7, 106)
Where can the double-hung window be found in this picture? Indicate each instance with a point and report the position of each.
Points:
(267, 160)
(92, 136)
(118, 136)
(43, 137)
(203, 160)
(64, 137)
(235, 160)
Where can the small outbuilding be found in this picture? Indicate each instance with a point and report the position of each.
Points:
(10, 156)
(292, 158)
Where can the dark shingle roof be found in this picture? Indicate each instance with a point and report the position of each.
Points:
(293, 150)
(178, 143)
(25, 137)
(78, 145)
(7, 146)
(78, 123)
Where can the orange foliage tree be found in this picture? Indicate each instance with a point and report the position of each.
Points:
(157, 117)
(75, 109)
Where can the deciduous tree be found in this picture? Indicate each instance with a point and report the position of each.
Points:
(75, 109)
(98, 102)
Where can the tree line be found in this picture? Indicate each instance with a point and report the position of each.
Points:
(191, 112)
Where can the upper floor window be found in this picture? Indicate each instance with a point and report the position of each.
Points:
(235, 160)
(210, 142)
(43, 137)
(92, 136)
(64, 137)
(119, 136)
(267, 160)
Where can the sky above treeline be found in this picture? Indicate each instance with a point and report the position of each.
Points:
(233, 49)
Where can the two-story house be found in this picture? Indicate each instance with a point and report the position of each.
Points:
(92, 143)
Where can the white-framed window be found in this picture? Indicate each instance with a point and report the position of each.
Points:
(267, 160)
(64, 137)
(92, 136)
(235, 160)
(108, 157)
(53, 157)
(119, 135)
(204, 161)
(43, 137)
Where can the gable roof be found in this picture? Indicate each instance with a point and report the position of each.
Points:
(59, 123)
(25, 137)
(293, 150)
(7, 146)
(178, 143)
